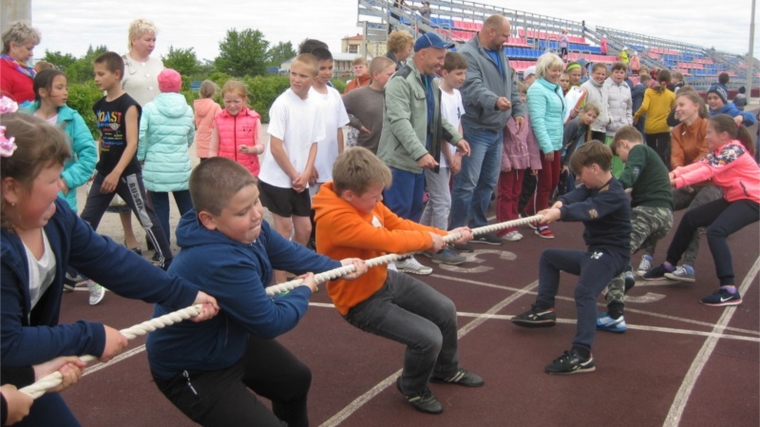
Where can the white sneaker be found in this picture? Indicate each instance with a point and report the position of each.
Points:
(97, 292)
(411, 265)
(512, 236)
(645, 265)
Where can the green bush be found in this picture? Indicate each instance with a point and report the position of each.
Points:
(82, 96)
(262, 91)
(339, 85)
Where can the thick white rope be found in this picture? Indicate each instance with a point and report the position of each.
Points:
(386, 259)
(55, 379)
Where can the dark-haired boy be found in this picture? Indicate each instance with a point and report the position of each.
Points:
(651, 213)
(602, 205)
(118, 172)
(353, 221)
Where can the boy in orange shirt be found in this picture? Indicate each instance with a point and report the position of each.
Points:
(352, 220)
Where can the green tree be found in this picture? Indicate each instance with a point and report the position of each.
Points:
(280, 53)
(60, 60)
(243, 53)
(81, 70)
(182, 60)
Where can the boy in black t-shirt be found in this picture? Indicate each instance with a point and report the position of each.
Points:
(603, 207)
(118, 172)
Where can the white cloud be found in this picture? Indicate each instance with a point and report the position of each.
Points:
(70, 27)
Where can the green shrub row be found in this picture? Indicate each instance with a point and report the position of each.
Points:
(262, 91)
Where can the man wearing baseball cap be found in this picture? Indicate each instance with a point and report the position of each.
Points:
(413, 131)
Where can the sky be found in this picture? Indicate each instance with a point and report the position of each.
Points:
(71, 26)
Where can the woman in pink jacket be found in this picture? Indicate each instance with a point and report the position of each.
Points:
(731, 166)
(205, 110)
(236, 129)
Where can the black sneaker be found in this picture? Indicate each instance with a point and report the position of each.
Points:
(488, 239)
(461, 377)
(721, 298)
(536, 318)
(657, 273)
(466, 247)
(424, 401)
(571, 363)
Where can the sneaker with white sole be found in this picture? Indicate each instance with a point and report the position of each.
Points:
(722, 297)
(544, 232)
(571, 363)
(606, 323)
(445, 256)
(512, 236)
(645, 265)
(412, 266)
(97, 292)
(488, 239)
(536, 318)
(682, 273)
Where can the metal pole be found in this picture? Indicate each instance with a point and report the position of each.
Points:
(750, 60)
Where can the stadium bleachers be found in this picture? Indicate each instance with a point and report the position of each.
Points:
(533, 34)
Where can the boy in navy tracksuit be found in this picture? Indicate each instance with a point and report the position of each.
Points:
(603, 207)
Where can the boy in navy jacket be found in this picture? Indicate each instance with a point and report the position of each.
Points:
(228, 249)
(603, 207)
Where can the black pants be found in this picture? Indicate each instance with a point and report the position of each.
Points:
(223, 398)
(528, 188)
(131, 189)
(724, 219)
(660, 142)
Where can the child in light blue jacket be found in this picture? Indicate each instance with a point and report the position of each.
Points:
(166, 133)
(50, 96)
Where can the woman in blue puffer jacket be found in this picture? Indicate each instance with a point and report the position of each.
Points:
(547, 107)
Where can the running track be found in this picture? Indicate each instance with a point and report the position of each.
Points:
(679, 364)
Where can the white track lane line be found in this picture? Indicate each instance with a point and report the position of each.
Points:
(632, 310)
(673, 418)
(382, 385)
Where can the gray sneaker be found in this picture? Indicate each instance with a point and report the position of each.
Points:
(682, 273)
(445, 256)
(488, 239)
(97, 292)
(412, 266)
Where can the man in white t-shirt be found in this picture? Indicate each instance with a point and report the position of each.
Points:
(296, 123)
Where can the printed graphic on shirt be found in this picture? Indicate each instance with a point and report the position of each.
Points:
(110, 124)
(376, 222)
(727, 155)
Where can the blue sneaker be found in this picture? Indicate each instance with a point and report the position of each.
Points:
(605, 323)
(722, 297)
(682, 273)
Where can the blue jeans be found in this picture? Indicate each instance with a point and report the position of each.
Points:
(595, 269)
(475, 183)
(412, 313)
(160, 201)
(404, 198)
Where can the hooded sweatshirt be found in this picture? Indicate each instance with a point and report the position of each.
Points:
(235, 274)
(166, 132)
(205, 111)
(345, 232)
(357, 82)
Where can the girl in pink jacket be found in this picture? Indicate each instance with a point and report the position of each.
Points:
(731, 166)
(520, 152)
(235, 134)
(205, 110)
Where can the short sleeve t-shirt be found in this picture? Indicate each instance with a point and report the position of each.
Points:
(299, 123)
(335, 118)
(111, 121)
(452, 110)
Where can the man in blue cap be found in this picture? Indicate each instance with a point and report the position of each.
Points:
(490, 97)
(412, 134)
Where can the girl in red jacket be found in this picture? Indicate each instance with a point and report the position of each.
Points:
(731, 166)
(236, 129)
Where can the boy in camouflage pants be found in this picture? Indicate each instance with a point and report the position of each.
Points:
(651, 213)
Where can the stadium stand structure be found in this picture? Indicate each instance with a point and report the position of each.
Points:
(534, 34)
